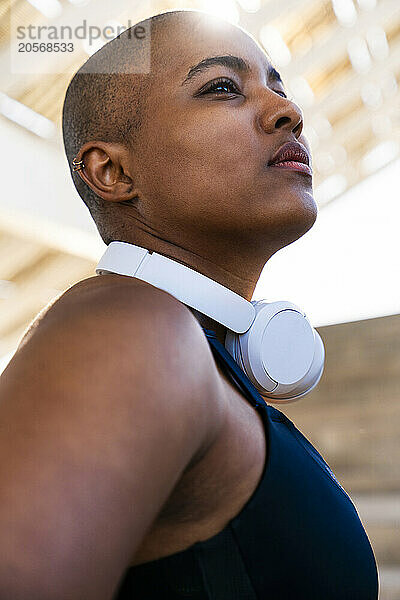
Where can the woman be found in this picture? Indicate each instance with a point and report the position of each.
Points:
(144, 463)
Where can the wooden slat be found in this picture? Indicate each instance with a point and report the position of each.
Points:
(54, 272)
(17, 254)
(353, 416)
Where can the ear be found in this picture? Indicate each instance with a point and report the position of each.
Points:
(106, 169)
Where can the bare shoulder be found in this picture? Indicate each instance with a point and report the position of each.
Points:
(112, 298)
(111, 395)
(119, 322)
(131, 320)
(120, 293)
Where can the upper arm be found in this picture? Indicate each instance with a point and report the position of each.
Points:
(100, 412)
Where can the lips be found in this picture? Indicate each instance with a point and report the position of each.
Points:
(292, 155)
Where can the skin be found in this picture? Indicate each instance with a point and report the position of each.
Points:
(81, 477)
(198, 179)
(78, 458)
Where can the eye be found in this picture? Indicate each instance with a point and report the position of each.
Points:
(280, 93)
(222, 82)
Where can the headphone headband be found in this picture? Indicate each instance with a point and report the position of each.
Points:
(190, 287)
(273, 342)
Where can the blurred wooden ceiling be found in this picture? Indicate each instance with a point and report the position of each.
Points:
(340, 60)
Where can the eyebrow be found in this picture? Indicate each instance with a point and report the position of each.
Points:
(236, 63)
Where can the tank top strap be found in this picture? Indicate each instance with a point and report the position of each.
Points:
(236, 373)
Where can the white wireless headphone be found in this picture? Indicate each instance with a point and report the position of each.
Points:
(273, 342)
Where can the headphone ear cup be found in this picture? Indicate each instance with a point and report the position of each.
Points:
(281, 353)
(232, 344)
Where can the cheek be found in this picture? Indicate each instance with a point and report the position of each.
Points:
(207, 169)
(195, 164)
(222, 154)
(213, 132)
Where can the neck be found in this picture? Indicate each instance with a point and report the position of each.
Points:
(232, 265)
(236, 266)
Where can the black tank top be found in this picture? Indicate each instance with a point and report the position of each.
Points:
(299, 536)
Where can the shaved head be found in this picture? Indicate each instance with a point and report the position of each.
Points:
(179, 158)
(106, 100)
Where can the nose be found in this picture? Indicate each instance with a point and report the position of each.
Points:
(283, 114)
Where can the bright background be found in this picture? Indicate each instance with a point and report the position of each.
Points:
(340, 60)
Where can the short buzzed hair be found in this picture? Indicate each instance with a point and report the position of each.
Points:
(106, 101)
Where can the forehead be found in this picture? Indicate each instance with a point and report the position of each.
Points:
(185, 42)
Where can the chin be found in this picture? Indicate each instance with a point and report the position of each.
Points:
(297, 218)
(310, 210)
